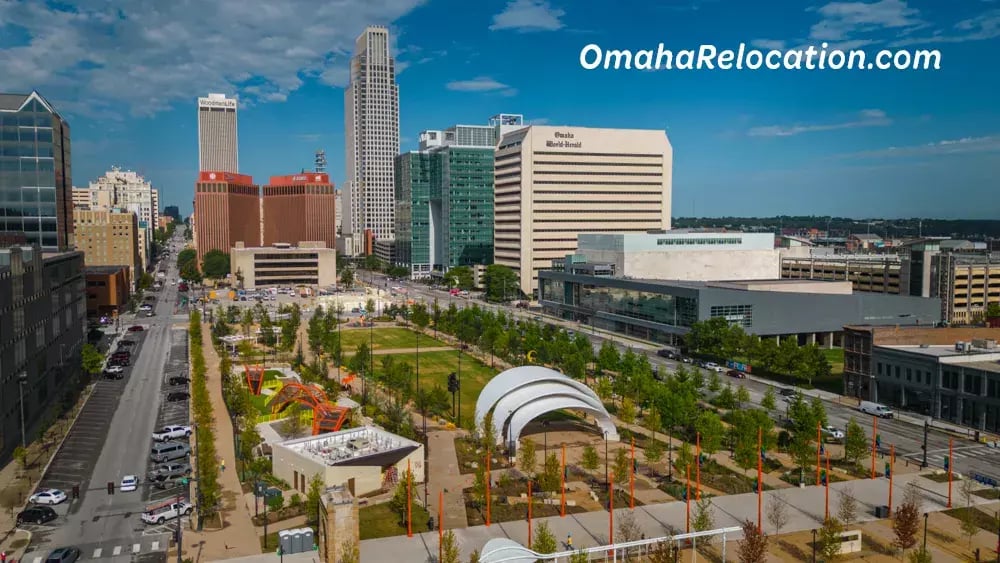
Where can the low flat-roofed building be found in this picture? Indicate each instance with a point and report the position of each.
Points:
(860, 342)
(683, 255)
(367, 459)
(664, 311)
(107, 289)
(957, 382)
(309, 263)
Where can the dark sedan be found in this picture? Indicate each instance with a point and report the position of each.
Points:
(179, 380)
(36, 515)
(177, 397)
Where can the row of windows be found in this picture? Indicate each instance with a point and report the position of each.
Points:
(741, 315)
(698, 241)
(609, 154)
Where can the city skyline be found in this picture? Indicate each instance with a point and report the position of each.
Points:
(747, 143)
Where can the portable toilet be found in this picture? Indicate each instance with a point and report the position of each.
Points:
(297, 541)
(308, 541)
(285, 540)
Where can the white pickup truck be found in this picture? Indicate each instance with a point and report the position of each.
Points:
(163, 512)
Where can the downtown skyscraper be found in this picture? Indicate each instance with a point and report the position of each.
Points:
(218, 143)
(371, 123)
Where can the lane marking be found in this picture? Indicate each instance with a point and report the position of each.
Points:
(117, 551)
(37, 560)
(97, 553)
(156, 546)
(136, 547)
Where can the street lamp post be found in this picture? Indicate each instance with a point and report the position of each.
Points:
(607, 476)
(814, 546)
(22, 379)
(926, 514)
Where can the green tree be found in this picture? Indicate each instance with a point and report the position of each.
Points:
(313, 499)
(855, 442)
(627, 411)
(190, 272)
(704, 517)
(449, 548)
(993, 311)
(550, 479)
(590, 460)
(21, 455)
(726, 398)
(752, 548)
(215, 264)
(608, 358)
(653, 452)
(742, 396)
(684, 457)
(460, 277)
(714, 383)
(621, 466)
(710, 426)
(500, 283)
(829, 540)
(347, 277)
(526, 457)
(185, 257)
(91, 359)
(545, 540)
(769, 402)
(920, 555)
(361, 360)
(401, 496)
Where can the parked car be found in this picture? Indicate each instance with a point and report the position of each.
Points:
(126, 343)
(736, 373)
(161, 513)
(129, 484)
(145, 307)
(63, 555)
(712, 366)
(788, 393)
(177, 397)
(150, 314)
(114, 372)
(833, 434)
(179, 380)
(168, 451)
(171, 432)
(136, 328)
(36, 515)
(48, 496)
(169, 470)
(666, 353)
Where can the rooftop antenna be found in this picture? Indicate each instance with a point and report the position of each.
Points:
(320, 161)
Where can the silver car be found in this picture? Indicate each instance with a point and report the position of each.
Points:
(170, 470)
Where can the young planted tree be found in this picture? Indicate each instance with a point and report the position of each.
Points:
(704, 516)
(621, 466)
(847, 511)
(449, 548)
(526, 459)
(829, 540)
(628, 527)
(545, 540)
(905, 525)
(590, 460)
(742, 396)
(91, 359)
(550, 479)
(777, 511)
(856, 444)
(627, 411)
(653, 452)
(769, 402)
(967, 523)
(753, 547)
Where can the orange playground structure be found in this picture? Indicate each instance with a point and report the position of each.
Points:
(327, 416)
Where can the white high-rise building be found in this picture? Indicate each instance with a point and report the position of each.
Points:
(371, 122)
(218, 146)
(126, 190)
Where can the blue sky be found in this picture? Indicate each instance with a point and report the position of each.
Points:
(854, 143)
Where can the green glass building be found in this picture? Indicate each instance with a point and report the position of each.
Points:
(444, 201)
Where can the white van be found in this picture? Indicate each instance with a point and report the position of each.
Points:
(875, 409)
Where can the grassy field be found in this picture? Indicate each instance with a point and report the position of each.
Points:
(836, 358)
(379, 521)
(386, 338)
(434, 370)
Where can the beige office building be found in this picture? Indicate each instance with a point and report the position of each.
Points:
(109, 238)
(310, 263)
(554, 183)
(218, 136)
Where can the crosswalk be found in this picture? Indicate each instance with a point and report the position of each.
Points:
(962, 452)
(108, 551)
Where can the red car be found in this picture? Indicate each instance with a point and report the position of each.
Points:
(736, 373)
(136, 328)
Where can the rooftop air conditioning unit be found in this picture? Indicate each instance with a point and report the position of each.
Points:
(960, 346)
(984, 344)
(925, 345)
(358, 444)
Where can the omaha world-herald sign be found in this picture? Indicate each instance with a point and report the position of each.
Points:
(564, 141)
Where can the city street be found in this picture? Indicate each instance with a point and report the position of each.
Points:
(907, 436)
(111, 439)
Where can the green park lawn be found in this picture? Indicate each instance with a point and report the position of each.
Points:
(379, 521)
(434, 370)
(386, 338)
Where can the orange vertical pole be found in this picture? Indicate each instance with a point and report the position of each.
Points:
(440, 525)
(687, 503)
(828, 479)
(874, 449)
(631, 479)
(819, 446)
(697, 467)
(760, 480)
(409, 500)
(489, 496)
(611, 508)
(892, 471)
(529, 513)
(951, 464)
(562, 483)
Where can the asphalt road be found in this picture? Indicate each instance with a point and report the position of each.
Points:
(111, 439)
(907, 437)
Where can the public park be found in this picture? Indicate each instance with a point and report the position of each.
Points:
(526, 424)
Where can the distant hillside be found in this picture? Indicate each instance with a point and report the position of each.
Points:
(843, 226)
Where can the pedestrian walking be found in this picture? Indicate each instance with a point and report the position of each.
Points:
(222, 466)
(569, 541)
(3, 557)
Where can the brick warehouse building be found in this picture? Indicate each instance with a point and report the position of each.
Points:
(227, 210)
(297, 208)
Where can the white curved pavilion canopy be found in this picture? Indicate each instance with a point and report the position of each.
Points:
(519, 395)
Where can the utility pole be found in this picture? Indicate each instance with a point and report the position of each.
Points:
(927, 429)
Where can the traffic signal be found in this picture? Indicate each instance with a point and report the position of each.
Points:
(452, 382)
(111, 488)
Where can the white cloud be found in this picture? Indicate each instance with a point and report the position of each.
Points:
(865, 118)
(481, 84)
(528, 15)
(964, 145)
(983, 27)
(842, 20)
(539, 121)
(769, 44)
(147, 56)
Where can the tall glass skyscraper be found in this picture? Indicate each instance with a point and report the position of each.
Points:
(444, 200)
(35, 176)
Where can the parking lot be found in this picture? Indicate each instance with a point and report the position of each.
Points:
(74, 463)
(171, 413)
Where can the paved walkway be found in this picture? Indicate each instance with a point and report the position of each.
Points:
(238, 537)
(445, 476)
(805, 510)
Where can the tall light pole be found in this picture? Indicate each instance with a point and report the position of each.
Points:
(22, 379)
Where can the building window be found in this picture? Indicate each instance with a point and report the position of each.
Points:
(741, 315)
